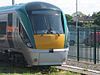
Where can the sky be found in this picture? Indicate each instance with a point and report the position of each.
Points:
(68, 6)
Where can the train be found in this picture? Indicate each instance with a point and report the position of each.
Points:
(33, 34)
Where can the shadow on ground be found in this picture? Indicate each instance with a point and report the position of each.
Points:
(7, 68)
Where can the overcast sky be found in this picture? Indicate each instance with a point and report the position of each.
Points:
(68, 6)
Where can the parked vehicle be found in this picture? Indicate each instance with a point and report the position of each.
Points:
(89, 41)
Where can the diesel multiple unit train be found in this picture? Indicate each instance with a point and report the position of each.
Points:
(35, 33)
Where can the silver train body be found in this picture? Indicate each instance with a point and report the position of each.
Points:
(24, 29)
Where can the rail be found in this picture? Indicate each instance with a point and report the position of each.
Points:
(82, 71)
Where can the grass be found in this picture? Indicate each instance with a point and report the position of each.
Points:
(31, 71)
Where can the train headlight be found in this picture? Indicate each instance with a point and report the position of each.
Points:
(29, 44)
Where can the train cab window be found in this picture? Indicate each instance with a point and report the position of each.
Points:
(3, 23)
(46, 20)
(24, 36)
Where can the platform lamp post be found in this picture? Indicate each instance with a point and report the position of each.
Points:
(13, 2)
(77, 30)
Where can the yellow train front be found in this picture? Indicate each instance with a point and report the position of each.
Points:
(39, 31)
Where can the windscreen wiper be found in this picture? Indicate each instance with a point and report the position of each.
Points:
(49, 31)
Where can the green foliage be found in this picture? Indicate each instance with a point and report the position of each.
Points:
(31, 71)
(68, 17)
(96, 17)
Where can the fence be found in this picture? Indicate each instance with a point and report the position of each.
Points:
(85, 44)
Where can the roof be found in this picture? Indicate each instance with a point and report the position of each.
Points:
(40, 5)
(29, 6)
(10, 8)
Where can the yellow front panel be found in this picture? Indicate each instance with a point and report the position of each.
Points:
(49, 41)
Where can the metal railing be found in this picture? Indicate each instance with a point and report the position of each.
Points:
(85, 44)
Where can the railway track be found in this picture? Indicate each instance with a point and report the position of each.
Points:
(5, 62)
(82, 71)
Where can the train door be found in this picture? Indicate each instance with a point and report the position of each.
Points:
(17, 33)
(16, 39)
(10, 30)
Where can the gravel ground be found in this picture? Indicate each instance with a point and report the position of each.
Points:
(85, 65)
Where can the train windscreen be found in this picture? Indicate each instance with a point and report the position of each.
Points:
(46, 21)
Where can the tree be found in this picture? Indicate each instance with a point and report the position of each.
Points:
(80, 14)
(69, 19)
(96, 17)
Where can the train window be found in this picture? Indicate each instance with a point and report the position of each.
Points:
(3, 27)
(3, 23)
(24, 35)
(46, 20)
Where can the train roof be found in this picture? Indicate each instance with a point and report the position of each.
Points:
(30, 6)
(40, 5)
(10, 8)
